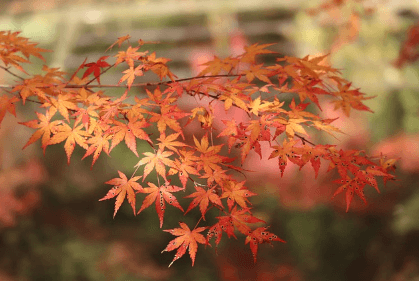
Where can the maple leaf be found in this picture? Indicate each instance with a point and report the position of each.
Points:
(242, 217)
(257, 106)
(98, 143)
(12, 43)
(350, 98)
(235, 192)
(253, 50)
(120, 40)
(123, 187)
(234, 96)
(129, 56)
(408, 51)
(95, 68)
(168, 117)
(85, 115)
(45, 126)
(63, 105)
(283, 153)
(128, 132)
(7, 104)
(71, 136)
(216, 65)
(170, 142)
(231, 131)
(324, 125)
(293, 126)
(99, 126)
(306, 89)
(185, 166)
(159, 195)
(91, 98)
(203, 197)
(209, 159)
(159, 67)
(186, 239)
(31, 87)
(236, 219)
(259, 236)
(351, 186)
(204, 116)
(259, 72)
(156, 160)
(130, 75)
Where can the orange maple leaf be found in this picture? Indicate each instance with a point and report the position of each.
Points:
(71, 136)
(63, 104)
(158, 160)
(235, 192)
(159, 195)
(7, 104)
(123, 187)
(185, 166)
(168, 117)
(45, 126)
(128, 132)
(170, 142)
(119, 41)
(159, 67)
(253, 50)
(129, 56)
(130, 75)
(203, 197)
(187, 239)
(98, 143)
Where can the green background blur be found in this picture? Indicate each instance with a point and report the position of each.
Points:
(52, 226)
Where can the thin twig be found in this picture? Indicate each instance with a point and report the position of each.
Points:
(74, 86)
(11, 73)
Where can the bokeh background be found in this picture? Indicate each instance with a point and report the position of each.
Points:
(52, 226)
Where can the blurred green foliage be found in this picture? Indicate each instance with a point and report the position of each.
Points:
(71, 235)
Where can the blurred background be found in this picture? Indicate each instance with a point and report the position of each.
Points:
(52, 226)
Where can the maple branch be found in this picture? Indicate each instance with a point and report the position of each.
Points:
(75, 86)
(100, 75)
(197, 183)
(304, 139)
(135, 171)
(201, 217)
(11, 73)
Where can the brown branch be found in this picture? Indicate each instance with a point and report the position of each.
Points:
(304, 139)
(74, 86)
(11, 73)
(99, 75)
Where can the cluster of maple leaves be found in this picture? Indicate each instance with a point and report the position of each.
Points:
(73, 113)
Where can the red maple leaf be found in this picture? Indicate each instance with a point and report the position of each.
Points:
(237, 219)
(259, 236)
(95, 67)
